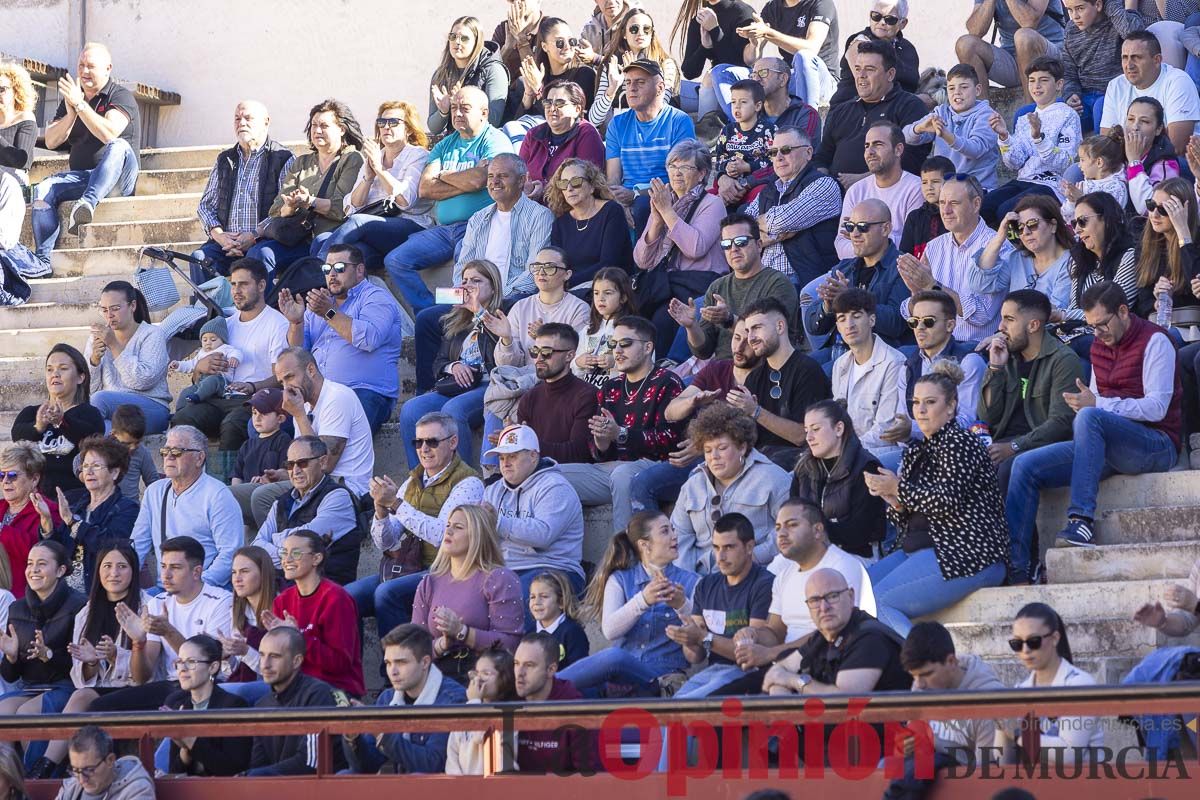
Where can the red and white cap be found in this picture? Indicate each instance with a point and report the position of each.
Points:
(514, 439)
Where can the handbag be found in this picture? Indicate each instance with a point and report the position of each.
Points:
(652, 287)
(382, 208)
(298, 228)
(446, 386)
(404, 560)
(157, 285)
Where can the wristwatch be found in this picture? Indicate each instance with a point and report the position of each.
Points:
(805, 679)
(622, 434)
(49, 654)
(708, 640)
(331, 313)
(1016, 448)
(462, 634)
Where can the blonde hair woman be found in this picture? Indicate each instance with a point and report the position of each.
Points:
(469, 600)
(18, 135)
(467, 60)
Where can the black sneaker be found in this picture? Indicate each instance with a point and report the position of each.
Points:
(1078, 533)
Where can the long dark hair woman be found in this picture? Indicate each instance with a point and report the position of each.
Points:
(554, 59)
(1168, 257)
(65, 419)
(829, 475)
(196, 668)
(128, 357)
(1104, 250)
(467, 60)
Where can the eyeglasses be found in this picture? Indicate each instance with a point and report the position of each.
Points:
(545, 267)
(639, 29)
(294, 555)
(890, 19)
(829, 598)
(773, 152)
(765, 72)
(340, 267)
(389, 122)
(545, 352)
(1033, 643)
(776, 390)
(458, 37)
(9, 477)
(624, 344)
(678, 168)
(1015, 229)
(563, 44)
(1156, 208)
(302, 463)
(1106, 324)
(921, 322)
(557, 103)
(432, 443)
(190, 664)
(737, 241)
(177, 452)
(573, 183)
(89, 468)
(86, 773)
(1083, 221)
(861, 227)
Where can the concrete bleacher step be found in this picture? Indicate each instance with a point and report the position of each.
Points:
(1174, 523)
(152, 231)
(155, 158)
(1122, 562)
(47, 315)
(1073, 601)
(130, 209)
(1088, 637)
(38, 341)
(171, 181)
(117, 261)
(76, 289)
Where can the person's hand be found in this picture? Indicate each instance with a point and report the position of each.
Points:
(1035, 125)
(779, 678)
(383, 491)
(996, 123)
(462, 374)
(1195, 286)
(884, 483)
(103, 334)
(736, 166)
(701, 399)
(730, 190)
(234, 645)
(291, 306)
(534, 190)
(604, 429)
(938, 126)
(584, 53)
(532, 74)
(1193, 153)
(687, 635)
(1075, 102)
(70, 91)
(1136, 144)
(42, 507)
(475, 686)
(106, 648)
(622, 195)
(925, 125)
(233, 363)
(832, 288)
(319, 301)
(172, 366)
(83, 652)
(497, 324)
(293, 401)
(37, 648)
(372, 154)
(534, 325)
(214, 363)
(683, 454)
(717, 312)
(657, 590)
(1011, 218)
(675, 596)
(900, 430)
(847, 179)
(997, 350)
(1071, 190)
(1178, 596)
(1177, 212)
(683, 313)
(447, 622)
(441, 99)
(274, 475)
(130, 622)
(707, 19)
(1163, 284)
(1000, 452)
(10, 644)
(749, 654)
(49, 414)
(270, 621)
(1152, 615)
(742, 399)
(915, 273)
(1081, 399)
(156, 624)
(616, 75)
(662, 199)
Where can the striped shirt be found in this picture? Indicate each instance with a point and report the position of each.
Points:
(820, 200)
(952, 265)
(243, 210)
(642, 147)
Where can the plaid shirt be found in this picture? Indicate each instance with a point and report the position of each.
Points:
(820, 200)
(243, 211)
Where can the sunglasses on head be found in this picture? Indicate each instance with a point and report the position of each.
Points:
(1155, 207)
(890, 19)
(339, 267)
(636, 29)
(861, 227)
(302, 463)
(921, 322)
(574, 183)
(1033, 643)
(389, 122)
(784, 150)
(736, 241)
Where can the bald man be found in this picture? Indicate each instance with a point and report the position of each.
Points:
(98, 123)
(229, 211)
(456, 179)
(868, 228)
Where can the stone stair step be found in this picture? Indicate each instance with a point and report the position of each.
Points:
(151, 159)
(38, 341)
(1090, 637)
(21, 382)
(153, 231)
(118, 261)
(79, 288)
(47, 315)
(1121, 562)
(172, 181)
(1073, 601)
(127, 209)
(1173, 523)
(1163, 489)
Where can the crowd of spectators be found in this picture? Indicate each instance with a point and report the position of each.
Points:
(819, 366)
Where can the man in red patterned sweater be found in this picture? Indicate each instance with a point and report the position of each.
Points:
(630, 431)
(1127, 420)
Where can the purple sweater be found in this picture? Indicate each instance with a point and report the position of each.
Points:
(489, 602)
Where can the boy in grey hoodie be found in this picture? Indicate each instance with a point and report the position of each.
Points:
(959, 128)
(540, 518)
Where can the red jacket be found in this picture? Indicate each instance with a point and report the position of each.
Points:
(328, 618)
(19, 537)
(583, 142)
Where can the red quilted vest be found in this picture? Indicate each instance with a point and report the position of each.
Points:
(1118, 373)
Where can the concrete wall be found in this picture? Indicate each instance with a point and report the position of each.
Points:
(292, 53)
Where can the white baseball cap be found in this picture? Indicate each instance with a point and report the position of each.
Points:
(514, 439)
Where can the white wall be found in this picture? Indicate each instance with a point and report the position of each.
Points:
(293, 53)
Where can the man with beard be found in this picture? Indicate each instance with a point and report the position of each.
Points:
(260, 332)
(352, 328)
(781, 387)
(559, 406)
(899, 191)
(567, 749)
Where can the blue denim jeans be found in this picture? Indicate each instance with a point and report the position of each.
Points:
(911, 585)
(491, 424)
(811, 80)
(215, 253)
(467, 410)
(117, 170)
(659, 484)
(611, 664)
(423, 250)
(1103, 444)
(390, 602)
(376, 406)
(723, 77)
(374, 236)
(276, 255)
(1192, 68)
(428, 338)
(157, 415)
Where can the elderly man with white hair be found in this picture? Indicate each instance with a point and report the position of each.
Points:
(886, 21)
(190, 502)
(241, 187)
(98, 123)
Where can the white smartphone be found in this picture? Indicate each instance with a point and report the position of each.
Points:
(449, 295)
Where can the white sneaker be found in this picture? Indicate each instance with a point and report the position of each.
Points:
(81, 214)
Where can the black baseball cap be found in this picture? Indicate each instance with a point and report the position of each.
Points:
(652, 68)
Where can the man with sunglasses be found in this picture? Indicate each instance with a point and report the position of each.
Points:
(240, 189)
(630, 433)
(190, 502)
(352, 328)
(887, 21)
(97, 772)
(559, 406)
(318, 503)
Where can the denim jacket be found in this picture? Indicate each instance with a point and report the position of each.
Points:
(647, 639)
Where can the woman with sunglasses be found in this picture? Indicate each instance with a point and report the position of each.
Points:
(197, 667)
(26, 515)
(734, 477)
(564, 136)
(588, 223)
(635, 40)
(1038, 257)
(1168, 257)
(946, 506)
(886, 22)
(384, 209)
(555, 59)
(1150, 157)
(1039, 638)
(1103, 251)
(467, 60)
(463, 363)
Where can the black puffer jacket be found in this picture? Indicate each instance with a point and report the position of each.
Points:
(856, 518)
(55, 618)
(487, 72)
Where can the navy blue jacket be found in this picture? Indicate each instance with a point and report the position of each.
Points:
(889, 290)
(112, 520)
(411, 752)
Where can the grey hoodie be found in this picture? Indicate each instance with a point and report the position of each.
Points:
(540, 521)
(960, 734)
(130, 782)
(975, 149)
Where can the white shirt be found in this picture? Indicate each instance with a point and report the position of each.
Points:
(339, 413)
(209, 612)
(1069, 732)
(788, 590)
(901, 197)
(261, 340)
(1158, 384)
(12, 210)
(1173, 88)
(499, 240)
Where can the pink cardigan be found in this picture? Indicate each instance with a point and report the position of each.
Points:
(697, 242)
